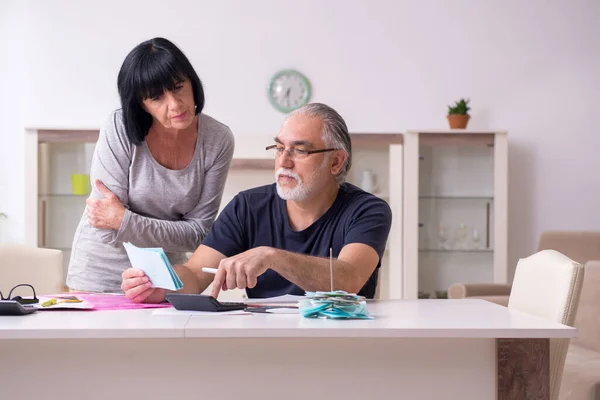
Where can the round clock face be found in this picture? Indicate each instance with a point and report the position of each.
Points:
(289, 90)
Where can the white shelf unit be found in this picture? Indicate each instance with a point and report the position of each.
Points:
(52, 212)
(383, 155)
(455, 210)
(59, 155)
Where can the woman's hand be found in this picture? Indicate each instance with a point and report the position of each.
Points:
(138, 287)
(106, 213)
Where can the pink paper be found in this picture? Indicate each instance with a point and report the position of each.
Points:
(101, 301)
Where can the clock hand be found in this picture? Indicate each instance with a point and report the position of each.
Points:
(287, 94)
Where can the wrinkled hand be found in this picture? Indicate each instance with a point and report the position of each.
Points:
(137, 287)
(241, 271)
(105, 213)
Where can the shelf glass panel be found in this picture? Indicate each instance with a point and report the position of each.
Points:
(58, 220)
(456, 208)
(57, 162)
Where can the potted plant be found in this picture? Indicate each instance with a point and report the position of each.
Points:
(458, 114)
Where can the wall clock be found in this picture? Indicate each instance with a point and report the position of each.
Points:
(288, 90)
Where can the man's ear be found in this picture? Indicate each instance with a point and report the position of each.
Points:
(337, 161)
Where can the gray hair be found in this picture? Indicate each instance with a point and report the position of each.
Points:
(335, 132)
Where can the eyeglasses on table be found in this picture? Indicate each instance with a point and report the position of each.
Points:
(20, 299)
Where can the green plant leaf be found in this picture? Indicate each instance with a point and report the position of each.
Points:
(460, 107)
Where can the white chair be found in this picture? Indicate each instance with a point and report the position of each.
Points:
(41, 268)
(548, 285)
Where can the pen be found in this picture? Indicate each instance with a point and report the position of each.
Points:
(209, 270)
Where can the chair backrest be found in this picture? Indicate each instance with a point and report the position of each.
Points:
(41, 268)
(548, 285)
(581, 246)
(588, 315)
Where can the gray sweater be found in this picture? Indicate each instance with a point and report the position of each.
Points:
(172, 209)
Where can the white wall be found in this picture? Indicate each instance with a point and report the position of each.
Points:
(11, 124)
(529, 67)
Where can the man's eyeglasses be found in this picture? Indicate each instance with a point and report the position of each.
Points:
(295, 153)
(19, 298)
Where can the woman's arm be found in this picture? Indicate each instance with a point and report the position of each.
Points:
(110, 165)
(184, 235)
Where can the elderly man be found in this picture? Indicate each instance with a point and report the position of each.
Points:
(276, 239)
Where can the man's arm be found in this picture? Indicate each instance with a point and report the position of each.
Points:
(351, 269)
(368, 226)
(191, 273)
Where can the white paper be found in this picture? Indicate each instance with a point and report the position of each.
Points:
(153, 266)
(283, 311)
(173, 311)
(288, 298)
(61, 304)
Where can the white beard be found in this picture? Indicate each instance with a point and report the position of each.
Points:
(301, 191)
(296, 193)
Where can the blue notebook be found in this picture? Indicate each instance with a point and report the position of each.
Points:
(156, 266)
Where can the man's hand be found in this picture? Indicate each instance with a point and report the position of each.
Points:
(137, 287)
(241, 271)
(106, 213)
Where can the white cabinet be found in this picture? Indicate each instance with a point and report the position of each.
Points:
(455, 210)
(381, 155)
(53, 208)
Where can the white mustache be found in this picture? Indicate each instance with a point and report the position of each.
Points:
(288, 173)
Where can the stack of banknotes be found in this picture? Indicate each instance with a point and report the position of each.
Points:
(334, 305)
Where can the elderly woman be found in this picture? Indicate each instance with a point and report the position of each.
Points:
(158, 170)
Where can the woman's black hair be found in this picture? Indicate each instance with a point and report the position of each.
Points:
(150, 69)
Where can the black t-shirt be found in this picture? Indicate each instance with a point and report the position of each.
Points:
(258, 217)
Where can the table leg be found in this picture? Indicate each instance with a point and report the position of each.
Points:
(523, 369)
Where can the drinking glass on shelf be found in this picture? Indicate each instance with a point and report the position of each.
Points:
(443, 236)
(476, 238)
(461, 235)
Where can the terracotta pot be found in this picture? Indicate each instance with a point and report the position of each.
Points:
(458, 121)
